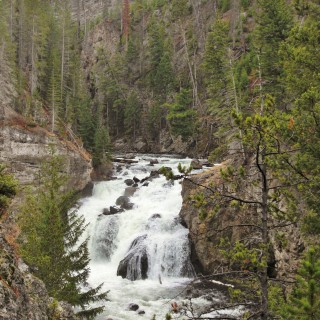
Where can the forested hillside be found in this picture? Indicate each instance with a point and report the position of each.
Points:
(233, 80)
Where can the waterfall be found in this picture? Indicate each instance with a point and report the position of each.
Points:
(146, 244)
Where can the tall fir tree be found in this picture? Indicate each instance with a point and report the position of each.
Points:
(50, 241)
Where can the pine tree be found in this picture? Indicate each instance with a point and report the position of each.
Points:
(132, 115)
(181, 117)
(300, 56)
(305, 299)
(274, 22)
(50, 240)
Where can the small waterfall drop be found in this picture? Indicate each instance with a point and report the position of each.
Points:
(146, 243)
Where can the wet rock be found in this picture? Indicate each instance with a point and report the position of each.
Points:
(106, 211)
(154, 161)
(133, 307)
(129, 182)
(129, 156)
(155, 216)
(141, 312)
(129, 191)
(119, 168)
(124, 203)
(135, 185)
(135, 179)
(145, 184)
(87, 191)
(135, 264)
(154, 174)
(125, 173)
(115, 209)
(207, 164)
(196, 164)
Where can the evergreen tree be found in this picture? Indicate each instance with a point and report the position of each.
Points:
(50, 240)
(8, 188)
(305, 299)
(216, 68)
(181, 116)
(274, 22)
(300, 56)
(132, 115)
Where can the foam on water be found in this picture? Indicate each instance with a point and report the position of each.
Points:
(166, 241)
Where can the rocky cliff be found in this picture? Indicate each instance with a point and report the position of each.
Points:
(24, 146)
(207, 230)
(23, 296)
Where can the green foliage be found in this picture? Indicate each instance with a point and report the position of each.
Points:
(132, 114)
(8, 188)
(181, 117)
(305, 299)
(224, 5)
(102, 144)
(274, 21)
(50, 240)
(179, 9)
(300, 56)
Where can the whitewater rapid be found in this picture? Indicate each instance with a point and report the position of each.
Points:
(154, 217)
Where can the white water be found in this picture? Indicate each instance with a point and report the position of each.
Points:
(164, 239)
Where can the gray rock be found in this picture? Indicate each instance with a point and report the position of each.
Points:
(124, 203)
(135, 264)
(106, 211)
(196, 164)
(135, 179)
(129, 182)
(115, 209)
(133, 307)
(154, 161)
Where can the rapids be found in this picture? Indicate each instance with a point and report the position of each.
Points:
(149, 236)
(154, 217)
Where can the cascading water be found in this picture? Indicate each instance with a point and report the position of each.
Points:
(146, 243)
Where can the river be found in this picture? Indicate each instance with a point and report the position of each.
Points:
(149, 236)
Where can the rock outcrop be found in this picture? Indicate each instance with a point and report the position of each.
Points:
(24, 146)
(207, 231)
(23, 296)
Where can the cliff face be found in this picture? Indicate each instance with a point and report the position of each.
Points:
(25, 146)
(23, 296)
(205, 234)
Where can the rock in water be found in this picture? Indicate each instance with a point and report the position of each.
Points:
(133, 307)
(196, 164)
(135, 264)
(124, 203)
(129, 182)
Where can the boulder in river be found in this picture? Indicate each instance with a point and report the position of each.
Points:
(135, 264)
(133, 307)
(124, 203)
(135, 179)
(115, 209)
(129, 182)
(154, 161)
(106, 211)
(196, 164)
